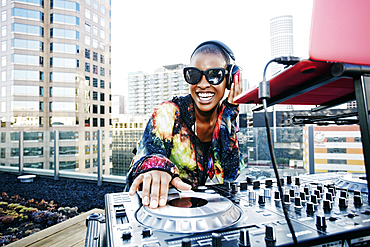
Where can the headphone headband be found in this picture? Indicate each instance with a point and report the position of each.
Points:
(218, 44)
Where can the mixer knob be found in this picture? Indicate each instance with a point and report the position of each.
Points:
(126, 235)
(147, 233)
(289, 179)
(244, 240)
(297, 203)
(327, 205)
(320, 222)
(297, 181)
(216, 240)
(317, 193)
(201, 188)
(227, 185)
(261, 200)
(277, 195)
(320, 188)
(249, 180)
(270, 235)
(343, 203)
(243, 186)
(292, 193)
(268, 183)
(267, 193)
(286, 198)
(234, 188)
(357, 200)
(357, 193)
(302, 195)
(307, 191)
(343, 194)
(314, 199)
(329, 196)
(256, 184)
(310, 208)
(186, 242)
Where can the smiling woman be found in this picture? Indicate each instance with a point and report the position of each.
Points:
(192, 139)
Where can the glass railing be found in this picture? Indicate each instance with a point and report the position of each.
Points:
(102, 157)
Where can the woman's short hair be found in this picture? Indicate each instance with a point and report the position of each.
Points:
(212, 49)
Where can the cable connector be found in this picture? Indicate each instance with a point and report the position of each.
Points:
(287, 60)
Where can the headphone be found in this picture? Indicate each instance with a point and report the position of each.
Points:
(232, 69)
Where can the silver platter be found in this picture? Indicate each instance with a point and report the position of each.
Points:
(191, 211)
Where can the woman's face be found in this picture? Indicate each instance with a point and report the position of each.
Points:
(205, 95)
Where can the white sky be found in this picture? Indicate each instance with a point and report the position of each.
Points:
(148, 34)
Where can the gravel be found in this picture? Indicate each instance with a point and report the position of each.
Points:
(86, 195)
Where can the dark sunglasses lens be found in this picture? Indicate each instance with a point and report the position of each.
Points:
(215, 76)
(192, 76)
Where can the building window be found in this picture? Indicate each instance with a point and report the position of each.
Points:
(87, 67)
(3, 31)
(95, 56)
(102, 84)
(102, 122)
(102, 21)
(87, 53)
(95, 122)
(102, 97)
(3, 15)
(87, 13)
(102, 9)
(102, 71)
(95, 69)
(87, 40)
(102, 109)
(95, 30)
(95, 18)
(87, 163)
(102, 59)
(95, 5)
(95, 109)
(3, 45)
(95, 82)
(95, 43)
(88, 2)
(95, 95)
(87, 27)
(87, 80)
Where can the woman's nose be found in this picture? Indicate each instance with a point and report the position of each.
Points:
(203, 82)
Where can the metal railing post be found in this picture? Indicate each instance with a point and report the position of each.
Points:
(56, 154)
(311, 150)
(20, 152)
(100, 170)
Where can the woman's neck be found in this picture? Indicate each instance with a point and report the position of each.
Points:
(205, 123)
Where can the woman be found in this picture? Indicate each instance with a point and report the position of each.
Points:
(193, 138)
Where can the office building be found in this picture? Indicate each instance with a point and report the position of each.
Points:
(148, 90)
(55, 76)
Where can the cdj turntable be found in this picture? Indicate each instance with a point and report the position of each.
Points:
(247, 213)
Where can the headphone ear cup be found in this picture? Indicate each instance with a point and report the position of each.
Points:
(233, 71)
(228, 77)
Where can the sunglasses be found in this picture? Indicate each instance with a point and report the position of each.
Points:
(214, 75)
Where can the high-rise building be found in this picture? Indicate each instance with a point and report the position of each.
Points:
(146, 91)
(55, 75)
(281, 39)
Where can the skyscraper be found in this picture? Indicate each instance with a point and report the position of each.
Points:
(281, 39)
(146, 91)
(55, 75)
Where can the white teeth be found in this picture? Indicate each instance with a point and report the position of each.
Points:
(205, 95)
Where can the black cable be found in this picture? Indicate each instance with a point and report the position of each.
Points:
(264, 94)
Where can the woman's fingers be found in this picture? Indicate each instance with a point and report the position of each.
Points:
(179, 184)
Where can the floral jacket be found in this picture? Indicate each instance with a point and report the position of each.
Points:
(170, 144)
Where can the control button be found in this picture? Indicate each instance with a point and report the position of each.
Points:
(270, 235)
(281, 181)
(147, 233)
(327, 205)
(302, 195)
(256, 184)
(227, 185)
(357, 200)
(216, 240)
(261, 200)
(317, 193)
(201, 188)
(320, 188)
(289, 179)
(292, 193)
(126, 235)
(277, 195)
(244, 240)
(314, 199)
(357, 193)
(329, 196)
(306, 191)
(268, 183)
(332, 190)
(343, 194)
(243, 186)
(287, 199)
(186, 242)
(343, 203)
(297, 181)
(320, 222)
(310, 208)
(249, 180)
(297, 203)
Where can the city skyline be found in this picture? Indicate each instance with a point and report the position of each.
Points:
(155, 34)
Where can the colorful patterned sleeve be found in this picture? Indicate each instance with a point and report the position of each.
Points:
(230, 153)
(156, 143)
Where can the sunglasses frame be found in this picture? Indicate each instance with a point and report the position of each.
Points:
(225, 72)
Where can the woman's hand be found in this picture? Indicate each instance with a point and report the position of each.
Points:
(236, 88)
(155, 187)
